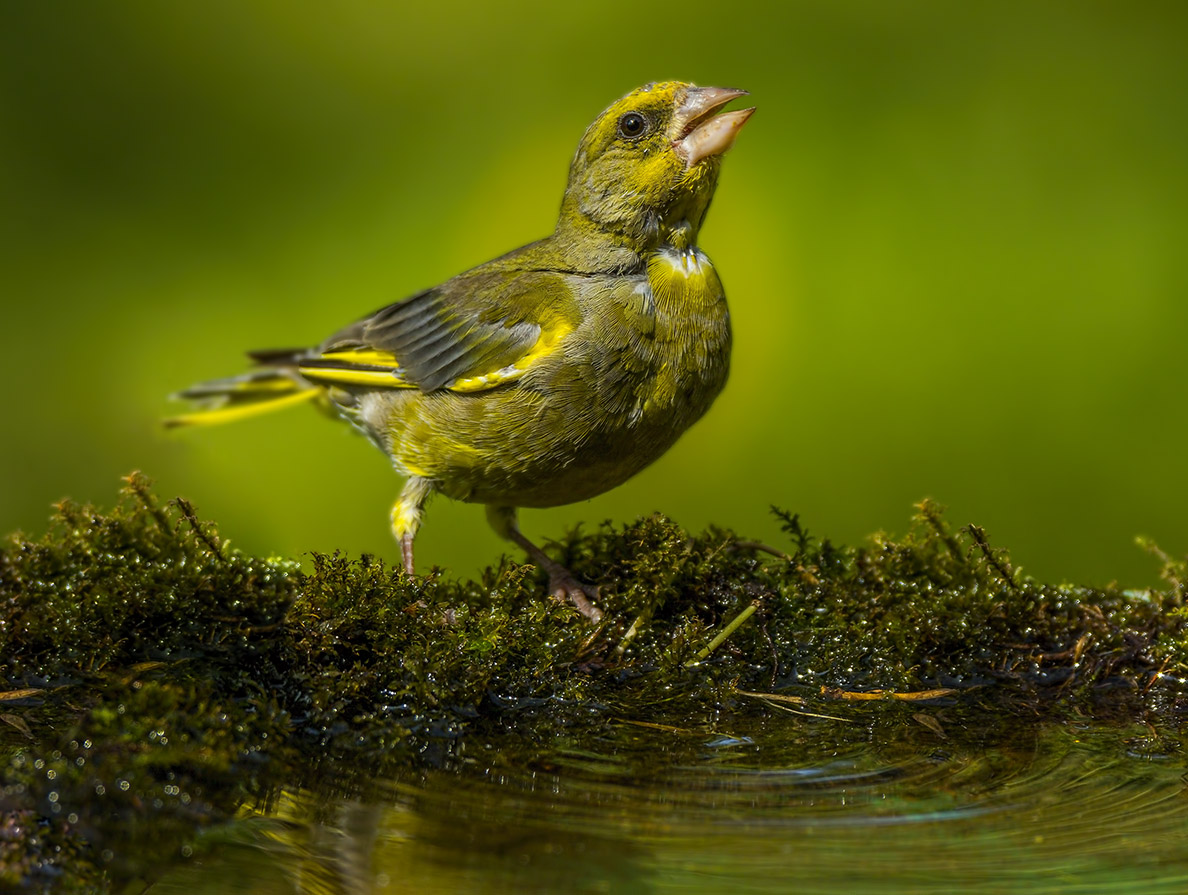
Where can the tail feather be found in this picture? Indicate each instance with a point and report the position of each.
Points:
(238, 397)
(279, 357)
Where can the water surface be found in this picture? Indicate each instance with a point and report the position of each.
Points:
(777, 803)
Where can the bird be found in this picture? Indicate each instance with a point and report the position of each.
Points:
(552, 373)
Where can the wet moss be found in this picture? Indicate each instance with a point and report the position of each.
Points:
(156, 680)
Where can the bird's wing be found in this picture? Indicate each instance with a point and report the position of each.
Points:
(474, 332)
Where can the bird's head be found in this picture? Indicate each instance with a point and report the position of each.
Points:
(645, 170)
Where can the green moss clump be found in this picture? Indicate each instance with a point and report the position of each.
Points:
(155, 680)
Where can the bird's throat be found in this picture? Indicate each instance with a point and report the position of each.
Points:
(683, 280)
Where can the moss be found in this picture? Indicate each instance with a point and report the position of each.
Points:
(156, 679)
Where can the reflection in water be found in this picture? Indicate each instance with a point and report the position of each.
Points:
(647, 810)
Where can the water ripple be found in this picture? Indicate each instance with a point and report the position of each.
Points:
(782, 807)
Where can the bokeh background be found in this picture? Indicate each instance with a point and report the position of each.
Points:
(954, 237)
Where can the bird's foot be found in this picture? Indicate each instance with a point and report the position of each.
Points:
(564, 587)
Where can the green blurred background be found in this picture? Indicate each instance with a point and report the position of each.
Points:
(954, 237)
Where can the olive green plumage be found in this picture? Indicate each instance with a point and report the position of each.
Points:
(559, 370)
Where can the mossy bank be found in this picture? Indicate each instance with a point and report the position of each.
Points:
(156, 680)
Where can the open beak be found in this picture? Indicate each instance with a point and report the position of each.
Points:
(699, 132)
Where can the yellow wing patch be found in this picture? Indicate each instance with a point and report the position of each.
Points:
(543, 347)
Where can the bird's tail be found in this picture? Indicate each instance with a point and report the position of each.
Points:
(277, 386)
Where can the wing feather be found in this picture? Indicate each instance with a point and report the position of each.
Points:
(475, 332)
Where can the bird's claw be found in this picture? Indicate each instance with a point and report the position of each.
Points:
(567, 589)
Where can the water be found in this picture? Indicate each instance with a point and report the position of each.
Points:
(764, 804)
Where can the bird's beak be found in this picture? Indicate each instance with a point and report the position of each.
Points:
(699, 133)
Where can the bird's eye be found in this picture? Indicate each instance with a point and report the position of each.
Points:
(633, 125)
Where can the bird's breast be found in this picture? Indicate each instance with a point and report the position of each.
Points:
(656, 346)
(692, 334)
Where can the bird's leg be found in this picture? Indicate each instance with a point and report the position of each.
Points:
(562, 584)
(406, 517)
(406, 554)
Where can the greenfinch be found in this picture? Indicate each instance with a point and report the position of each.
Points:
(552, 373)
